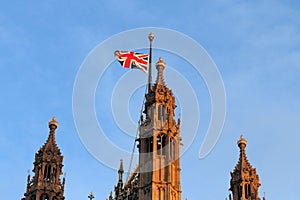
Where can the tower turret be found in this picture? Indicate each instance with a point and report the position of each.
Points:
(46, 183)
(244, 182)
(159, 143)
(119, 186)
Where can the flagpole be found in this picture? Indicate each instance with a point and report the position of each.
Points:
(150, 37)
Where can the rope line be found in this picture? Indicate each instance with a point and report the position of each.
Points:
(136, 135)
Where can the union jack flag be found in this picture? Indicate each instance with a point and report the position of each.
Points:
(133, 60)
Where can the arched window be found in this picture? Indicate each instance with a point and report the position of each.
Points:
(54, 174)
(164, 143)
(175, 153)
(240, 191)
(158, 144)
(159, 194)
(162, 194)
(151, 144)
(161, 144)
(247, 191)
(47, 172)
(161, 113)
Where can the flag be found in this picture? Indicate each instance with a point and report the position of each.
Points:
(133, 60)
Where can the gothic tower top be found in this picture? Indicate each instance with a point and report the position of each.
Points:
(244, 182)
(159, 144)
(50, 146)
(46, 183)
(161, 95)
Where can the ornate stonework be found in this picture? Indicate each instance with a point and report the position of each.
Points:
(46, 183)
(159, 144)
(158, 173)
(244, 182)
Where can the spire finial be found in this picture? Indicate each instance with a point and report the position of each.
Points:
(50, 159)
(121, 169)
(242, 142)
(160, 62)
(120, 172)
(52, 123)
(160, 66)
(91, 196)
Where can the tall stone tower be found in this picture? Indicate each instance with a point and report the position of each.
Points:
(46, 183)
(159, 144)
(244, 182)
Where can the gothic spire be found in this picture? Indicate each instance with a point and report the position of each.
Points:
(119, 186)
(121, 168)
(244, 182)
(159, 143)
(160, 95)
(46, 182)
(121, 172)
(50, 144)
(243, 161)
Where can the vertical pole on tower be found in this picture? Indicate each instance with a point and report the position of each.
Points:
(150, 37)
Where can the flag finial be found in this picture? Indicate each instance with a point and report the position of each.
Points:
(151, 36)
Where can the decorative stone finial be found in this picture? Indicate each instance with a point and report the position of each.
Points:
(53, 122)
(242, 141)
(151, 37)
(91, 196)
(121, 168)
(160, 62)
(160, 66)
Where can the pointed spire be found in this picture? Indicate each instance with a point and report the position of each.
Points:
(51, 142)
(64, 182)
(47, 170)
(121, 168)
(243, 161)
(28, 180)
(244, 182)
(120, 172)
(160, 66)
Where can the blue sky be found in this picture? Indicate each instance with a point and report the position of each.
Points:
(255, 44)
